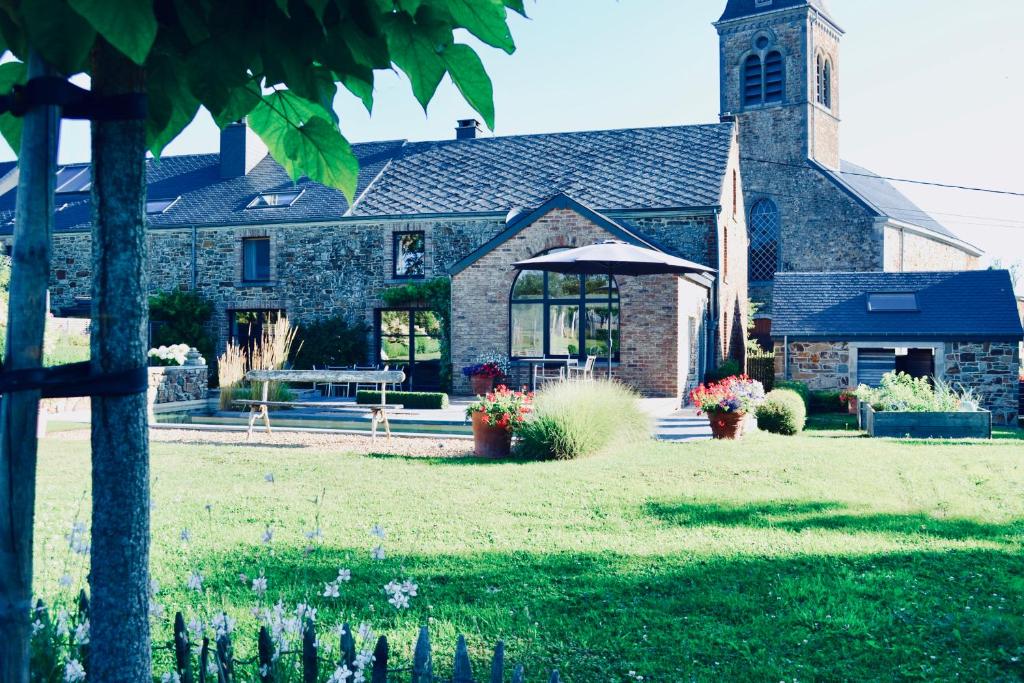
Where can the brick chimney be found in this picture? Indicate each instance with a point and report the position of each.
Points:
(467, 129)
(240, 150)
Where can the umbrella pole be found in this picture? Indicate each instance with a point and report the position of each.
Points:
(609, 323)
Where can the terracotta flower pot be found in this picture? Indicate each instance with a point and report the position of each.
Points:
(851, 406)
(481, 384)
(490, 441)
(726, 425)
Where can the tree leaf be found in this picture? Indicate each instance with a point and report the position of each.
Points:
(241, 100)
(10, 125)
(469, 76)
(516, 6)
(192, 22)
(302, 138)
(485, 19)
(172, 106)
(60, 34)
(128, 25)
(416, 49)
(318, 7)
(361, 88)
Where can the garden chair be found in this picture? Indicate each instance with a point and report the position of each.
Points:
(584, 372)
(344, 387)
(363, 385)
(544, 374)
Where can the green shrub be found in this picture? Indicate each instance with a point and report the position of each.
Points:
(409, 399)
(333, 341)
(729, 368)
(825, 402)
(799, 387)
(181, 317)
(575, 419)
(783, 412)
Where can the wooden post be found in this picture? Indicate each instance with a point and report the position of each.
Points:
(265, 656)
(517, 674)
(379, 673)
(182, 650)
(422, 663)
(348, 647)
(204, 659)
(463, 668)
(225, 659)
(498, 663)
(309, 661)
(26, 323)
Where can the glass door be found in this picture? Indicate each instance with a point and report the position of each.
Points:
(410, 340)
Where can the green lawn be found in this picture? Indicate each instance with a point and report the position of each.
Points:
(820, 557)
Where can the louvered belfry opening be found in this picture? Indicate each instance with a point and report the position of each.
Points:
(763, 81)
(773, 77)
(753, 85)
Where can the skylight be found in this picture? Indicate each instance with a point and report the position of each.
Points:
(155, 206)
(74, 179)
(274, 200)
(892, 302)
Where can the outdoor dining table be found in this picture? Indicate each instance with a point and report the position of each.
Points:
(534, 363)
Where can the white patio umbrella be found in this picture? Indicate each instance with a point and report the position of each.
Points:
(611, 258)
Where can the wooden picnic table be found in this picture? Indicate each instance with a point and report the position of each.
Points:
(259, 408)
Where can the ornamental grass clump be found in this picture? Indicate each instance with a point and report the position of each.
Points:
(575, 419)
(783, 412)
(230, 374)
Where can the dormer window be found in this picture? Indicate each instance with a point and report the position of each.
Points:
(275, 200)
(892, 302)
(156, 206)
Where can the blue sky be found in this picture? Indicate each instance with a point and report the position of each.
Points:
(929, 90)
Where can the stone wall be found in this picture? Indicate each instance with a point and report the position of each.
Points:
(820, 365)
(992, 370)
(177, 383)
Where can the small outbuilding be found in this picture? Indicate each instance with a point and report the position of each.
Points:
(840, 330)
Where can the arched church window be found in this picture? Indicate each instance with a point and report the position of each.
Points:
(552, 314)
(826, 83)
(773, 78)
(818, 89)
(753, 81)
(764, 231)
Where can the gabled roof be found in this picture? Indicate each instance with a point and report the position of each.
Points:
(636, 168)
(884, 200)
(560, 201)
(736, 9)
(968, 305)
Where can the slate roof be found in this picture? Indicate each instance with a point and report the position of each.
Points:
(636, 168)
(679, 167)
(882, 197)
(969, 305)
(744, 8)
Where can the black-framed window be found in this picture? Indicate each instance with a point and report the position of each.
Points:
(255, 259)
(409, 250)
(246, 327)
(551, 314)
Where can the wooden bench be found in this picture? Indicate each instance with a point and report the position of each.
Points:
(259, 408)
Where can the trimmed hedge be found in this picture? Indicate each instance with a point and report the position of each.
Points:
(826, 402)
(800, 388)
(783, 412)
(409, 399)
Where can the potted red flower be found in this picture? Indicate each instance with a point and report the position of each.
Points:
(727, 403)
(849, 398)
(483, 376)
(495, 417)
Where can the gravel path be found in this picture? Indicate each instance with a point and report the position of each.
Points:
(348, 443)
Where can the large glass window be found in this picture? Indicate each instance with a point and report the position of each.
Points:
(552, 314)
(764, 240)
(256, 259)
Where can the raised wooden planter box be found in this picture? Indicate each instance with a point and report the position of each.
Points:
(965, 425)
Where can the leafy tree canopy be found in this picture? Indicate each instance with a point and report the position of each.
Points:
(277, 62)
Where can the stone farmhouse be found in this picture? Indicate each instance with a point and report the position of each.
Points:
(763, 191)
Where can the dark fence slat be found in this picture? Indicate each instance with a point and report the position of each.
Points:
(463, 667)
(204, 659)
(554, 677)
(309, 661)
(422, 662)
(265, 655)
(225, 659)
(348, 647)
(498, 663)
(379, 673)
(182, 650)
(83, 614)
(517, 674)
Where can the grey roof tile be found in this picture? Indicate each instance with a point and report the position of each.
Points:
(976, 304)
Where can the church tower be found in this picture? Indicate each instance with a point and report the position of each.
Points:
(779, 63)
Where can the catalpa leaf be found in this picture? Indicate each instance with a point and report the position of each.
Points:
(11, 73)
(60, 34)
(467, 72)
(172, 106)
(416, 49)
(302, 138)
(485, 19)
(128, 25)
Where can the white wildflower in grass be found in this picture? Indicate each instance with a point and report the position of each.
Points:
(82, 633)
(243, 578)
(409, 588)
(195, 629)
(344, 575)
(399, 593)
(223, 624)
(170, 677)
(304, 611)
(268, 535)
(77, 540)
(195, 581)
(65, 581)
(340, 675)
(315, 534)
(364, 659)
(259, 585)
(74, 672)
(331, 590)
(185, 535)
(154, 586)
(37, 626)
(378, 531)
(377, 553)
(399, 600)
(365, 632)
(269, 477)
(156, 610)
(63, 628)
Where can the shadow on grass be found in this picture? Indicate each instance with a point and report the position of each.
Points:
(595, 616)
(841, 425)
(799, 516)
(455, 460)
